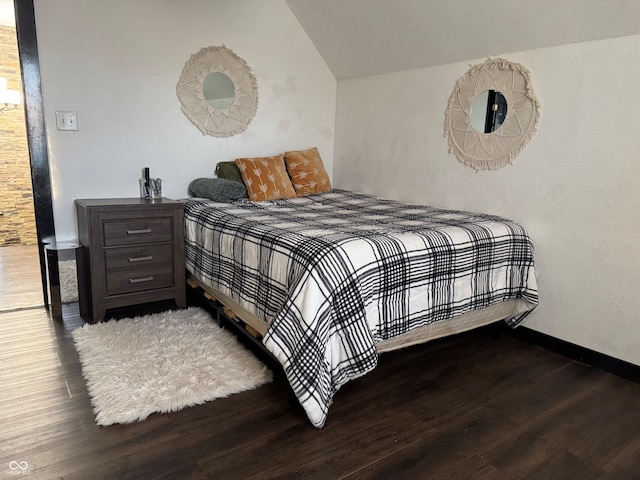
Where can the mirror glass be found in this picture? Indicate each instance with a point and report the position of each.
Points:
(218, 90)
(488, 111)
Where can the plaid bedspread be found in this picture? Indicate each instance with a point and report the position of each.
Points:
(337, 272)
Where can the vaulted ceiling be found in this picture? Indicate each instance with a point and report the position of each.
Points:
(366, 37)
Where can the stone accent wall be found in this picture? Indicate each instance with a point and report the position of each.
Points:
(17, 217)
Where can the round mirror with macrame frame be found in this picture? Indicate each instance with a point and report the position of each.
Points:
(502, 144)
(218, 92)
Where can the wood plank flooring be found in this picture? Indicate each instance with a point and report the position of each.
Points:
(20, 284)
(467, 407)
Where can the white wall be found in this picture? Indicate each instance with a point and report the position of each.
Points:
(117, 63)
(7, 15)
(576, 186)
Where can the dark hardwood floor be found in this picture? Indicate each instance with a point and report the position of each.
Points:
(460, 408)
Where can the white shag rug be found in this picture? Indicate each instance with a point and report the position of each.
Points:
(162, 363)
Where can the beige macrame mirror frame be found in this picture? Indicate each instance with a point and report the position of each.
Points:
(218, 122)
(490, 151)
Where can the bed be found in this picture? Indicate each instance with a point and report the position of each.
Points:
(330, 281)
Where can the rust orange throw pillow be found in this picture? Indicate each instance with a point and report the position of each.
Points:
(307, 172)
(266, 178)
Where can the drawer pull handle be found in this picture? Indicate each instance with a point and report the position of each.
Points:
(140, 259)
(138, 232)
(140, 280)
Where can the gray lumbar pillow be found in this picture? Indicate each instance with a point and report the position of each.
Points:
(217, 189)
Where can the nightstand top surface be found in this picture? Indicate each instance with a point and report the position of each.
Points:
(133, 201)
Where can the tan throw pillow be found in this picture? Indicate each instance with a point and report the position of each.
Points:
(266, 178)
(307, 172)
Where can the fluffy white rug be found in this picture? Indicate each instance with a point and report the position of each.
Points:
(162, 363)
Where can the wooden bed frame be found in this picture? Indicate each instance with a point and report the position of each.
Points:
(256, 327)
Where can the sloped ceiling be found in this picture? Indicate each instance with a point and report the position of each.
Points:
(367, 37)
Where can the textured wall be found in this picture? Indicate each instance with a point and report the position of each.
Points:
(117, 64)
(17, 220)
(574, 186)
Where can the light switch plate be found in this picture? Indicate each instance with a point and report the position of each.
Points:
(67, 121)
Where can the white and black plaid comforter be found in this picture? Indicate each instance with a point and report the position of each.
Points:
(336, 272)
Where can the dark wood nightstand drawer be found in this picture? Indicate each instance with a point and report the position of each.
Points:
(137, 230)
(147, 278)
(136, 257)
(132, 253)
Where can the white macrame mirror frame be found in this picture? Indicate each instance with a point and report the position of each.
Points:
(218, 122)
(490, 151)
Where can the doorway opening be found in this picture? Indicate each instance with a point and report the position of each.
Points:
(19, 260)
(26, 218)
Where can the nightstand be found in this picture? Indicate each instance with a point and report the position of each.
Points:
(132, 252)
